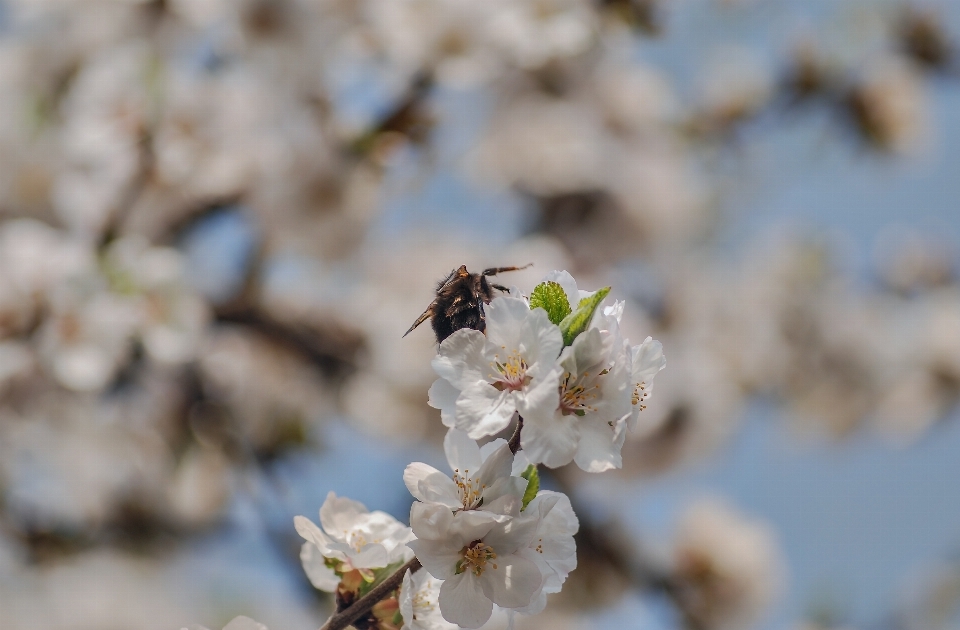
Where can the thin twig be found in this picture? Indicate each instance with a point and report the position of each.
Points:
(363, 605)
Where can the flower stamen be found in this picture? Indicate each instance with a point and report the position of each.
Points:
(574, 395)
(469, 489)
(511, 373)
(640, 395)
(475, 558)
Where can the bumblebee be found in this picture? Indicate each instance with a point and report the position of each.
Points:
(460, 299)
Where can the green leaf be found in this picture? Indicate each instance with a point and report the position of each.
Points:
(533, 484)
(551, 297)
(578, 321)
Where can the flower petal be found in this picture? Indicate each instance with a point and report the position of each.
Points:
(338, 514)
(483, 410)
(508, 536)
(463, 602)
(470, 525)
(461, 358)
(319, 574)
(405, 598)
(462, 452)
(648, 359)
(551, 439)
(370, 556)
(437, 558)
(487, 449)
(540, 342)
(309, 531)
(505, 317)
(443, 396)
(513, 583)
(426, 483)
(600, 444)
(430, 521)
(543, 398)
(495, 467)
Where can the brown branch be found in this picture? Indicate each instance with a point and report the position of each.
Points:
(363, 605)
(514, 442)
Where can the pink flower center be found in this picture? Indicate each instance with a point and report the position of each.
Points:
(511, 374)
(576, 394)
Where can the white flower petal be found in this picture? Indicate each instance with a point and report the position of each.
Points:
(339, 514)
(487, 449)
(505, 316)
(437, 558)
(443, 396)
(505, 496)
(463, 602)
(512, 534)
(513, 583)
(461, 357)
(370, 556)
(462, 452)
(496, 467)
(407, 592)
(536, 605)
(541, 342)
(551, 440)
(543, 398)
(587, 352)
(319, 574)
(470, 525)
(648, 360)
(482, 410)
(312, 534)
(430, 521)
(426, 483)
(600, 444)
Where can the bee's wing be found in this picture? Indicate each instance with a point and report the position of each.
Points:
(426, 315)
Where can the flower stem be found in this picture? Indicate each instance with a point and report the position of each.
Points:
(514, 442)
(363, 605)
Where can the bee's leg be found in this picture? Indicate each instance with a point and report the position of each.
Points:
(500, 287)
(427, 313)
(492, 271)
(482, 324)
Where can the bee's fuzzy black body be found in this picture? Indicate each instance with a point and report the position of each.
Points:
(460, 300)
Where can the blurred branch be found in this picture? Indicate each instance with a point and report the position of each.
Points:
(364, 604)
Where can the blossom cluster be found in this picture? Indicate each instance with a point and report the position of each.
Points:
(561, 363)
(489, 541)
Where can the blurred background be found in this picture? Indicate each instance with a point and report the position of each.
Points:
(218, 217)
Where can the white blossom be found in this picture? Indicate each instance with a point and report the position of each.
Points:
(552, 548)
(646, 360)
(354, 536)
(588, 424)
(484, 379)
(602, 387)
(479, 556)
(419, 605)
(481, 477)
